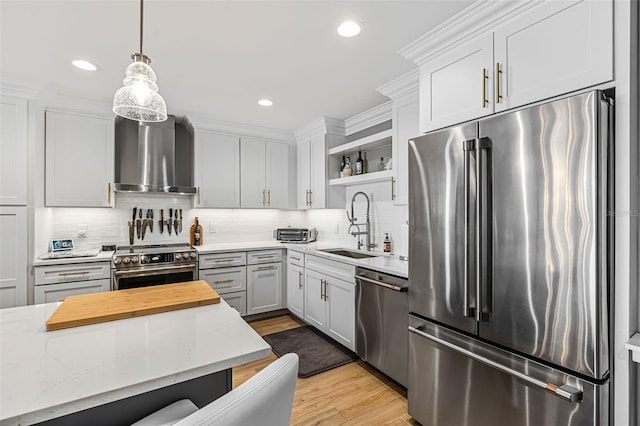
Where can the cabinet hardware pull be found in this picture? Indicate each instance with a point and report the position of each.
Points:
(497, 83)
(108, 192)
(265, 256)
(266, 267)
(307, 197)
(268, 198)
(223, 260)
(393, 192)
(325, 290)
(484, 88)
(223, 281)
(321, 289)
(263, 191)
(295, 258)
(74, 273)
(198, 195)
(299, 280)
(310, 198)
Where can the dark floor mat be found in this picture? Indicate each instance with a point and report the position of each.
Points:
(317, 353)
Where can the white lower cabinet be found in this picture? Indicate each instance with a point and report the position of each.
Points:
(55, 282)
(237, 301)
(264, 287)
(57, 292)
(330, 301)
(295, 290)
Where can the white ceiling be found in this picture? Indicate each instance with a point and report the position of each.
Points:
(217, 58)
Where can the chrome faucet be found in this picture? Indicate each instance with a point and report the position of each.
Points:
(368, 246)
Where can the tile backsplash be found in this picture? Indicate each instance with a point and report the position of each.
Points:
(110, 225)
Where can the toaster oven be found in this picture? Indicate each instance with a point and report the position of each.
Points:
(295, 235)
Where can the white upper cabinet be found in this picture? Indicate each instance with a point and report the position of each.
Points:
(314, 191)
(508, 54)
(265, 174)
(455, 87)
(556, 48)
(13, 151)
(217, 170)
(79, 159)
(406, 117)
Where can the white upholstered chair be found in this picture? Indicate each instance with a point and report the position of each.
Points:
(265, 399)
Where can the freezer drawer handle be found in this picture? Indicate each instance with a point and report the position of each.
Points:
(564, 391)
(380, 283)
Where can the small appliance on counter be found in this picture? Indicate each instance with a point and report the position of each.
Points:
(63, 248)
(295, 235)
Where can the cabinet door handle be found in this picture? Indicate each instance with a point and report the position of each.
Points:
(321, 289)
(266, 267)
(325, 290)
(64, 274)
(223, 260)
(393, 191)
(268, 197)
(295, 258)
(484, 87)
(299, 280)
(223, 281)
(497, 83)
(263, 191)
(265, 256)
(198, 195)
(108, 192)
(310, 198)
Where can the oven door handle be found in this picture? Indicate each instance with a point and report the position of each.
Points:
(153, 271)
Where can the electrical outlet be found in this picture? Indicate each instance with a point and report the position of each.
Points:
(212, 228)
(81, 231)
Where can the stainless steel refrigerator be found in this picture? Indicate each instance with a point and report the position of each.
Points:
(510, 248)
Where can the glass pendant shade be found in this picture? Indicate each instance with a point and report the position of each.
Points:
(139, 99)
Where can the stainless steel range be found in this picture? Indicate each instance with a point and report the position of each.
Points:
(143, 266)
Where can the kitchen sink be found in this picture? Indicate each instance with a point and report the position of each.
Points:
(349, 253)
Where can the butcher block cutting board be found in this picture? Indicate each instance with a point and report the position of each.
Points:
(93, 308)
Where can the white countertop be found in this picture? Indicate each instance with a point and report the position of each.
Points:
(44, 375)
(103, 256)
(386, 263)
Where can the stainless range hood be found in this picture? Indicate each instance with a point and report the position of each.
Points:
(153, 157)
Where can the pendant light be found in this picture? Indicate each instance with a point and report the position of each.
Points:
(139, 99)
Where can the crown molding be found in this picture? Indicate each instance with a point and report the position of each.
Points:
(368, 118)
(18, 91)
(480, 17)
(320, 126)
(404, 85)
(200, 123)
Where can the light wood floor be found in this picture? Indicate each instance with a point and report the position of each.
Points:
(353, 394)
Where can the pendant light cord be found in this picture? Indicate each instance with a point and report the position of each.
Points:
(141, 12)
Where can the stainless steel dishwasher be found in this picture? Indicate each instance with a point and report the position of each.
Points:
(381, 322)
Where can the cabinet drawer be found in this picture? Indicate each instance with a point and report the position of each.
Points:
(264, 256)
(295, 258)
(57, 292)
(56, 274)
(332, 268)
(221, 260)
(226, 280)
(237, 301)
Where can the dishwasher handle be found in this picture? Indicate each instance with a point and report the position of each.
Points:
(381, 284)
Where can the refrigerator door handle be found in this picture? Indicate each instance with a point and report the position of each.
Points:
(467, 309)
(483, 231)
(564, 391)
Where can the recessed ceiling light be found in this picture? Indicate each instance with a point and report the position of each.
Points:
(84, 65)
(349, 29)
(265, 102)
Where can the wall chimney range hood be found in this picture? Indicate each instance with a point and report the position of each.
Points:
(153, 157)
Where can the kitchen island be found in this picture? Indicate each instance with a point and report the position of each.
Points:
(149, 360)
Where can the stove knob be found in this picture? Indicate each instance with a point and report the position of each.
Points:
(178, 256)
(117, 261)
(134, 259)
(193, 255)
(144, 259)
(126, 260)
